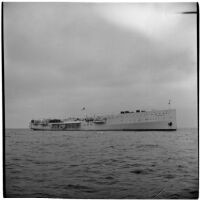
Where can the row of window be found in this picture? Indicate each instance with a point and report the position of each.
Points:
(62, 126)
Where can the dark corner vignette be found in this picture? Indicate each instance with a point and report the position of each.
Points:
(3, 98)
(197, 4)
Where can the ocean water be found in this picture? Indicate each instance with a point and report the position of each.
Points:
(101, 164)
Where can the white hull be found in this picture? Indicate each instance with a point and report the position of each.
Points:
(164, 120)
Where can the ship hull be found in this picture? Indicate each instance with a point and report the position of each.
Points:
(37, 129)
(148, 121)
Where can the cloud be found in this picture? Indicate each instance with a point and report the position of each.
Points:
(154, 19)
(61, 57)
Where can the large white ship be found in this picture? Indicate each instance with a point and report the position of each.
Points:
(158, 120)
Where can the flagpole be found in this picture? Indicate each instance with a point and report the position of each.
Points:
(83, 109)
(169, 103)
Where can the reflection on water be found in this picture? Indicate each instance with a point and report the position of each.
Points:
(101, 164)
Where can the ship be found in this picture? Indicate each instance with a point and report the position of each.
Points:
(139, 120)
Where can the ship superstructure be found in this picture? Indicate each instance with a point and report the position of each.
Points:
(125, 121)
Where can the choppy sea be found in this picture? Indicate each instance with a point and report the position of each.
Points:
(98, 164)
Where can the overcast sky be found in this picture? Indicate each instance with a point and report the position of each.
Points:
(61, 57)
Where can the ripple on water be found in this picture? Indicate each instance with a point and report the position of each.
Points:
(101, 164)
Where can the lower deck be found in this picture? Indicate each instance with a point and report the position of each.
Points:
(142, 126)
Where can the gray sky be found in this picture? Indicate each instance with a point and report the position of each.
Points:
(61, 57)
